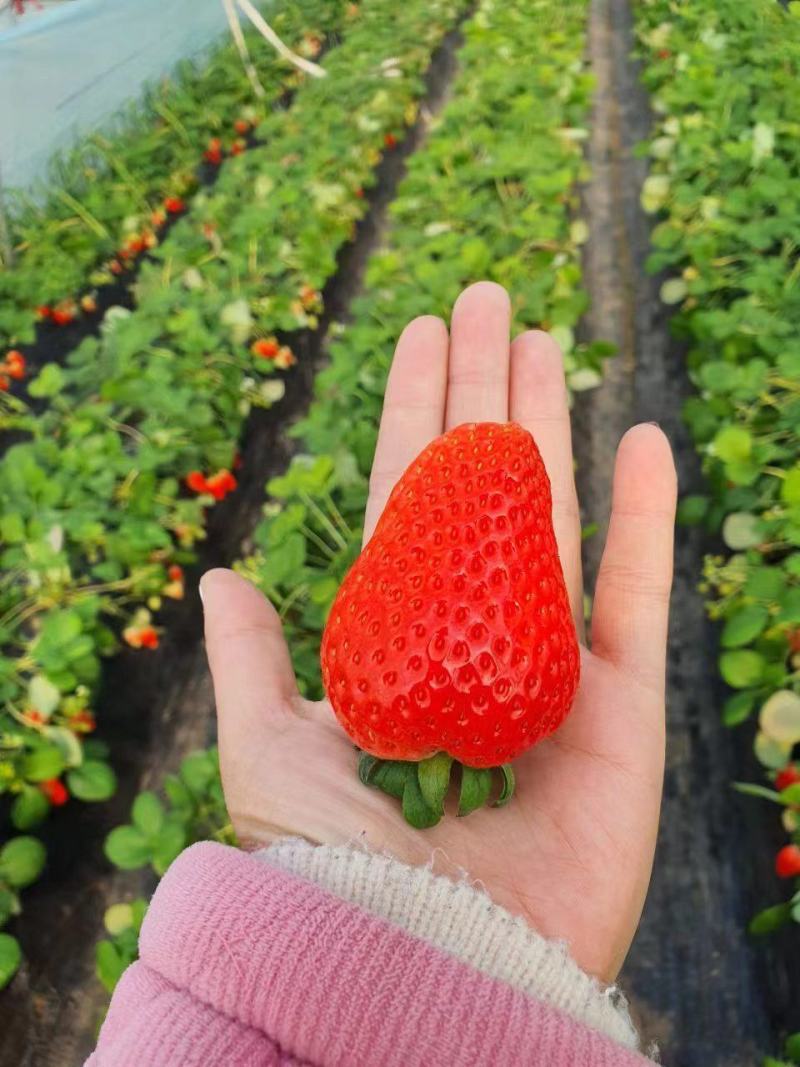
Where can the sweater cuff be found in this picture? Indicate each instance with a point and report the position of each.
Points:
(463, 921)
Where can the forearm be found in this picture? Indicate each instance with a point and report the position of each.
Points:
(333, 956)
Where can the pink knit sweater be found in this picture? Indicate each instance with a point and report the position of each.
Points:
(246, 965)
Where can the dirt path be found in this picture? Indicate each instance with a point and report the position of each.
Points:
(698, 986)
(158, 707)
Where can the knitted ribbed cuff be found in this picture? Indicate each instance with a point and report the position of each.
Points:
(461, 920)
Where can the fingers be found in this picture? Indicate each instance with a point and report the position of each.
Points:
(413, 409)
(538, 401)
(249, 660)
(477, 388)
(629, 623)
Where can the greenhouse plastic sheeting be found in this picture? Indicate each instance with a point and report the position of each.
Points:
(66, 69)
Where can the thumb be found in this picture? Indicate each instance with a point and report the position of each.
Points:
(254, 683)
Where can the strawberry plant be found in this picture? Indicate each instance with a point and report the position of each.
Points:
(114, 192)
(724, 182)
(135, 436)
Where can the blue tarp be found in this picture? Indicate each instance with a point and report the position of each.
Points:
(67, 69)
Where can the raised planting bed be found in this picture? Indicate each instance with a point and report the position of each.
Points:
(106, 499)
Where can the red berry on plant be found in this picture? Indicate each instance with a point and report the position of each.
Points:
(390, 140)
(238, 147)
(196, 481)
(452, 633)
(88, 304)
(174, 205)
(241, 126)
(55, 791)
(221, 483)
(14, 365)
(44, 311)
(787, 862)
(265, 347)
(148, 638)
(788, 776)
(5, 384)
(213, 154)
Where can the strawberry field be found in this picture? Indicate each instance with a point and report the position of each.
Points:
(197, 316)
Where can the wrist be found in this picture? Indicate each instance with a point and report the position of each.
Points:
(460, 919)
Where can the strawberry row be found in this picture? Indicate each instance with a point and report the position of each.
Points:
(725, 182)
(116, 193)
(492, 193)
(105, 499)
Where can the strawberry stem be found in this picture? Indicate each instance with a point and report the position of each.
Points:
(422, 787)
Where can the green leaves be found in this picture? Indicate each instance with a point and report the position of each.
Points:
(742, 669)
(22, 860)
(744, 626)
(476, 785)
(10, 958)
(152, 839)
(128, 848)
(43, 763)
(93, 780)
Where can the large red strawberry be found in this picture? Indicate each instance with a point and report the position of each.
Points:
(451, 638)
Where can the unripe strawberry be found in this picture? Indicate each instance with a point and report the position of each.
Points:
(452, 633)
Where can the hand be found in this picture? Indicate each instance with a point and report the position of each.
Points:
(572, 852)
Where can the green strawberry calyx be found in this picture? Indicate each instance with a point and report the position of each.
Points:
(423, 786)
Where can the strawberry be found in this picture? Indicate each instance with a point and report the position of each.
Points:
(55, 791)
(173, 205)
(213, 154)
(89, 304)
(242, 126)
(788, 776)
(64, 313)
(451, 638)
(196, 481)
(14, 365)
(285, 358)
(141, 636)
(265, 347)
(5, 384)
(787, 862)
(238, 146)
(221, 483)
(390, 140)
(82, 722)
(44, 311)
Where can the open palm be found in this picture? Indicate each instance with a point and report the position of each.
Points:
(572, 852)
